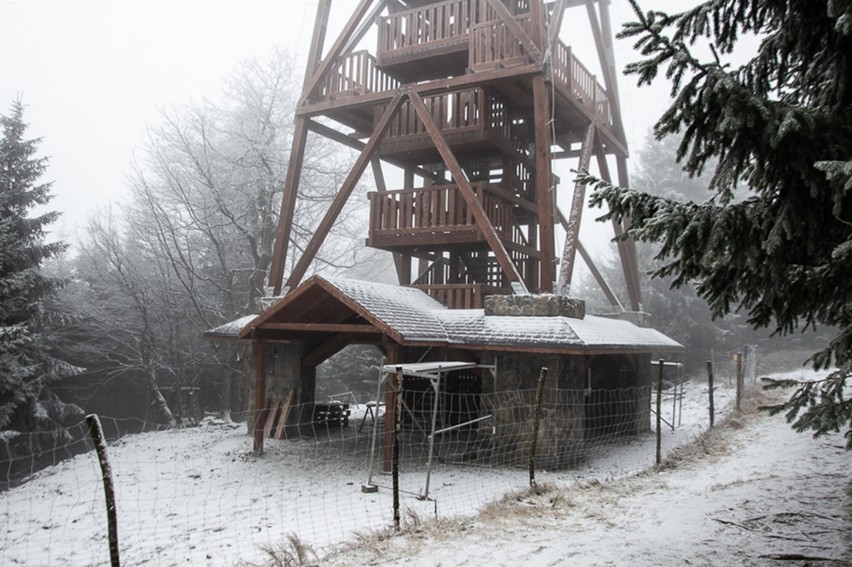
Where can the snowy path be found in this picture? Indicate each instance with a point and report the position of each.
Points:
(773, 492)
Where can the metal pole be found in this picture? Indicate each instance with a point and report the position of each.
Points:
(436, 385)
(370, 487)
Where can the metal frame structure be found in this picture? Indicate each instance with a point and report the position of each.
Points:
(434, 372)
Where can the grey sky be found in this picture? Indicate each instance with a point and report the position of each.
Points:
(93, 73)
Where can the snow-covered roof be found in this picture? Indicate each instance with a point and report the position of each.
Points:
(231, 329)
(415, 317)
(407, 310)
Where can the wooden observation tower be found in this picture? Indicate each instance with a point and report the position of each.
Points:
(472, 102)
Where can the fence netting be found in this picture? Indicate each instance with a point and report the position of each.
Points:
(200, 496)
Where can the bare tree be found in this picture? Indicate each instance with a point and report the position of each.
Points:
(200, 223)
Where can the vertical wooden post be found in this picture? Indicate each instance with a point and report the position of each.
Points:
(539, 394)
(738, 358)
(544, 188)
(259, 394)
(393, 357)
(710, 393)
(397, 429)
(98, 439)
(659, 410)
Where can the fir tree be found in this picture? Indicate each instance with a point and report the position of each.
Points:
(782, 124)
(26, 366)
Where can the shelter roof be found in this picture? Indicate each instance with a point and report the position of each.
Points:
(410, 317)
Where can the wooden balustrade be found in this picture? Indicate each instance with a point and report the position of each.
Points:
(356, 73)
(424, 209)
(580, 82)
(493, 45)
(444, 22)
(456, 111)
(440, 210)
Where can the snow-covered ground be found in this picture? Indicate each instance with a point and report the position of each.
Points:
(199, 497)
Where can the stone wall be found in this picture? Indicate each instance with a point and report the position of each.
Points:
(539, 305)
(560, 440)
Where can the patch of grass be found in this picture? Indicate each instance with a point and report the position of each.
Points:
(293, 553)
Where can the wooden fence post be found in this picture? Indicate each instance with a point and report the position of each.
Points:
(397, 428)
(738, 357)
(710, 393)
(659, 410)
(97, 435)
(539, 394)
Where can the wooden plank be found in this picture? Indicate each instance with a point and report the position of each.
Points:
(272, 412)
(259, 394)
(285, 412)
(343, 194)
(319, 328)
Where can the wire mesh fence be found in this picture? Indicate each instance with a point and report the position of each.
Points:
(200, 496)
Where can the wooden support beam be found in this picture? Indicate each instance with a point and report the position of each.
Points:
(555, 24)
(343, 195)
(288, 205)
(395, 356)
(426, 88)
(324, 351)
(364, 27)
(356, 144)
(320, 328)
(572, 232)
(634, 287)
(596, 273)
(603, 43)
(544, 188)
(482, 220)
(337, 48)
(520, 34)
(317, 40)
(626, 249)
(259, 394)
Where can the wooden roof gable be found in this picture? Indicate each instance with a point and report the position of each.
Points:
(316, 307)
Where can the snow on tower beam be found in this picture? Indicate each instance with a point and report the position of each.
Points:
(572, 231)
